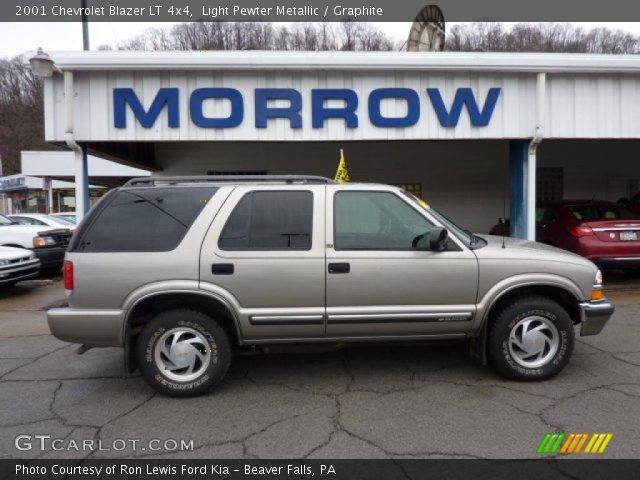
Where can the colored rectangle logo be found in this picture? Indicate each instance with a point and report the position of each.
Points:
(573, 443)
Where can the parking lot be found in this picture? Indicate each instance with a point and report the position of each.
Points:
(365, 402)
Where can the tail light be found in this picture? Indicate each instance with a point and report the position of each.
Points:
(581, 231)
(67, 274)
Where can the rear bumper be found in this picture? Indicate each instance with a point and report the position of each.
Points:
(89, 327)
(594, 316)
(50, 256)
(617, 262)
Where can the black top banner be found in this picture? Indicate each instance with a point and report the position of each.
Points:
(313, 10)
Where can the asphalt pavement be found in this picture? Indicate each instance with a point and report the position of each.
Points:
(361, 402)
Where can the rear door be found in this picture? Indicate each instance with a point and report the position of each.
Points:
(265, 252)
(378, 284)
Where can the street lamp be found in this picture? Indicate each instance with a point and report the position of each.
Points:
(41, 64)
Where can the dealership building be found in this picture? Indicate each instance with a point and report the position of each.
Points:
(477, 135)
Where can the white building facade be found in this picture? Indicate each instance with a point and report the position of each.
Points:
(476, 134)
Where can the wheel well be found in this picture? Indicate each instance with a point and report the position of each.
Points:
(146, 309)
(563, 297)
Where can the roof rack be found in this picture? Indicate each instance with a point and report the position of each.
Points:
(305, 179)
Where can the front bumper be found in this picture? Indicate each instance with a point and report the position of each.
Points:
(594, 316)
(19, 272)
(51, 257)
(90, 327)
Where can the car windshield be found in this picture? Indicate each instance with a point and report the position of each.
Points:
(61, 220)
(465, 235)
(586, 213)
(5, 221)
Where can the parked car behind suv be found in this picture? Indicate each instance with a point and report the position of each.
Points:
(191, 269)
(42, 219)
(604, 232)
(48, 244)
(17, 264)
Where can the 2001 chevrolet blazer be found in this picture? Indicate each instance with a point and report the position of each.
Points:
(178, 270)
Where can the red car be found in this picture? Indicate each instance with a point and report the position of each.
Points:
(606, 233)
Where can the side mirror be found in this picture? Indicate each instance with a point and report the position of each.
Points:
(438, 239)
(502, 221)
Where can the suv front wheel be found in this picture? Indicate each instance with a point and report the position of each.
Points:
(183, 353)
(530, 339)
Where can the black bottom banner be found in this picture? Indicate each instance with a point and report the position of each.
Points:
(319, 469)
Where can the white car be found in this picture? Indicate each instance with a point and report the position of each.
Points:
(48, 243)
(41, 219)
(17, 264)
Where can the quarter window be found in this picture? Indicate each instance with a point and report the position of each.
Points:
(145, 219)
(270, 220)
(377, 221)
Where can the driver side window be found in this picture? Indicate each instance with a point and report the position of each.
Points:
(377, 221)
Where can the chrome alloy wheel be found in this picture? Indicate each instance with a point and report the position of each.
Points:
(182, 354)
(533, 341)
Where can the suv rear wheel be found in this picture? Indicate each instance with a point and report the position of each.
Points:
(183, 353)
(531, 339)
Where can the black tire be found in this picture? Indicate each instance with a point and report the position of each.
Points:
(546, 310)
(211, 341)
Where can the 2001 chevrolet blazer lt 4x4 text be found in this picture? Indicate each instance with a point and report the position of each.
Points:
(181, 270)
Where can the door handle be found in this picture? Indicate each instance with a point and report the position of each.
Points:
(222, 268)
(339, 268)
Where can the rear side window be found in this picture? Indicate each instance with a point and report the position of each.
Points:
(270, 220)
(145, 219)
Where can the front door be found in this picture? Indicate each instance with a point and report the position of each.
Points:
(378, 282)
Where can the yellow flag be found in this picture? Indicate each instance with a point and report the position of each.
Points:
(421, 201)
(342, 174)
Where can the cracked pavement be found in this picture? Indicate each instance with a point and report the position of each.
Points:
(362, 402)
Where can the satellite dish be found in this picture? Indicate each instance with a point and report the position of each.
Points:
(427, 31)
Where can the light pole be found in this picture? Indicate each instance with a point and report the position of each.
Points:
(85, 27)
(85, 47)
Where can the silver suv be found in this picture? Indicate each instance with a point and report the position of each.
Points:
(183, 271)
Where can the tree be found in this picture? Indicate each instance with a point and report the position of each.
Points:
(21, 113)
(348, 35)
(540, 37)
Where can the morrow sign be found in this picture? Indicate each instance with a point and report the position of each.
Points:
(268, 104)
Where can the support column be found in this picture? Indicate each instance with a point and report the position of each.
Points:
(87, 189)
(518, 187)
(47, 183)
(80, 170)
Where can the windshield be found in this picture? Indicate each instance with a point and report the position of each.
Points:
(586, 213)
(5, 221)
(62, 220)
(465, 235)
